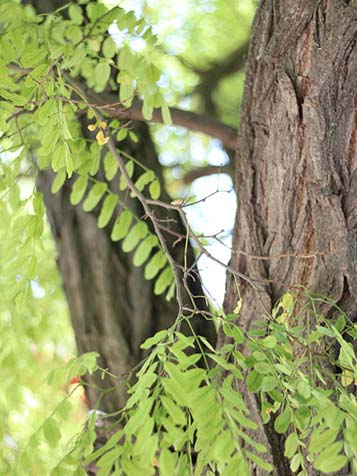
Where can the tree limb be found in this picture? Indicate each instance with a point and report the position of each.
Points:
(210, 78)
(205, 171)
(190, 120)
(229, 65)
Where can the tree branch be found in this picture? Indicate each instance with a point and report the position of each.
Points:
(210, 78)
(191, 120)
(205, 171)
(229, 65)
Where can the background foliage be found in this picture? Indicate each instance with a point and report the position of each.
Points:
(185, 412)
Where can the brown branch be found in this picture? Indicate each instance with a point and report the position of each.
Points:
(227, 66)
(188, 119)
(210, 78)
(205, 171)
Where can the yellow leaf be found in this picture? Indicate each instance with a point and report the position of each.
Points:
(101, 139)
(92, 127)
(282, 318)
(177, 202)
(287, 302)
(154, 462)
(346, 377)
(238, 307)
(103, 124)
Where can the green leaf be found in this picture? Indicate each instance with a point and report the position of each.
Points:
(59, 157)
(137, 233)
(320, 441)
(35, 227)
(175, 390)
(107, 210)
(242, 420)
(291, 445)
(340, 323)
(59, 181)
(147, 110)
(121, 228)
(259, 461)
(283, 421)
(144, 179)
(173, 410)
(304, 389)
(87, 363)
(32, 267)
(269, 383)
(155, 189)
(78, 190)
(16, 99)
(254, 381)
(69, 162)
(122, 134)
(233, 331)
(51, 432)
(163, 281)
(38, 205)
(109, 48)
(156, 263)
(46, 111)
(130, 170)
(95, 158)
(296, 461)
(263, 368)
(31, 57)
(110, 166)
(50, 140)
(75, 14)
(95, 11)
(94, 196)
(144, 249)
(125, 59)
(64, 409)
(102, 73)
(151, 341)
(329, 461)
(126, 93)
(133, 137)
(167, 462)
(166, 116)
(269, 342)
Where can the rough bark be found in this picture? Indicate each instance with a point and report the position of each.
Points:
(296, 171)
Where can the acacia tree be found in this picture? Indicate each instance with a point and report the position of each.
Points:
(294, 232)
(296, 164)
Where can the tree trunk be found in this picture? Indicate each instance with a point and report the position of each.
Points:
(296, 175)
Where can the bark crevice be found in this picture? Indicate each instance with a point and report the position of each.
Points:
(296, 177)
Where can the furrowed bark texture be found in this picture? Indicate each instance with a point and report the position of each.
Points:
(296, 177)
